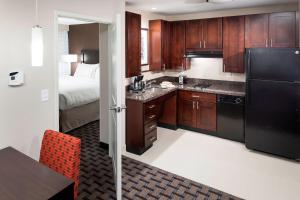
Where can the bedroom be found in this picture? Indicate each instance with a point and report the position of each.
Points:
(79, 73)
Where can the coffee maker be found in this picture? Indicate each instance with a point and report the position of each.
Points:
(138, 84)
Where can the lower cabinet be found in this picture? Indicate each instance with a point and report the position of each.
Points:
(197, 110)
(142, 120)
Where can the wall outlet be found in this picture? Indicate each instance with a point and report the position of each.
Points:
(44, 95)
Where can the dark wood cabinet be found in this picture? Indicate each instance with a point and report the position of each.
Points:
(159, 45)
(197, 110)
(133, 44)
(276, 30)
(194, 35)
(282, 30)
(205, 34)
(177, 59)
(257, 31)
(142, 120)
(234, 44)
(212, 34)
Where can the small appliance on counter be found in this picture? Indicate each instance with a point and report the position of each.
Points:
(182, 78)
(138, 84)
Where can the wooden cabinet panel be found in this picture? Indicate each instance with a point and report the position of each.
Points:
(257, 31)
(168, 114)
(212, 34)
(159, 45)
(133, 44)
(234, 44)
(186, 113)
(282, 29)
(206, 115)
(194, 35)
(177, 44)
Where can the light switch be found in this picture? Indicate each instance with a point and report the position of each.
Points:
(44, 95)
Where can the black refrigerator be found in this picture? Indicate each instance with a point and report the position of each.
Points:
(272, 117)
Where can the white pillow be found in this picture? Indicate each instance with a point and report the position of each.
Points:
(85, 70)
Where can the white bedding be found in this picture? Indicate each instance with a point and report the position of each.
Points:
(75, 91)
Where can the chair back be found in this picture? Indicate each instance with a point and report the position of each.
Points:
(61, 153)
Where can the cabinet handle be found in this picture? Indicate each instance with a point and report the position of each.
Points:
(152, 139)
(194, 96)
(193, 105)
(224, 67)
(164, 67)
(200, 44)
(266, 42)
(197, 105)
(152, 106)
(152, 116)
(271, 42)
(204, 44)
(152, 127)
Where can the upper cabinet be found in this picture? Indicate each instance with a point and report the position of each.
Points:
(282, 31)
(271, 30)
(205, 34)
(177, 41)
(159, 45)
(133, 44)
(234, 44)
(257, 31)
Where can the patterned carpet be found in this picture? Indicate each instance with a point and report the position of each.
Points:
(140, 181)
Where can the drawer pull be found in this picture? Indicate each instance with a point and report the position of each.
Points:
(152, 106)
(152, 139)
(152, 116)
(194, 96)
(152, 127)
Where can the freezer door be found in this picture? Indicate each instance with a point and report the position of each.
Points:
(273, 64)
(272, 118)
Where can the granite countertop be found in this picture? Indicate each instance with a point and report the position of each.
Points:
(215, 87)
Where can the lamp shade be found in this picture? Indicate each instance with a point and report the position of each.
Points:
(69, 58)
(37, 47)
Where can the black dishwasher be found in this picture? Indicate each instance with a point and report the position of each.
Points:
(230, 117)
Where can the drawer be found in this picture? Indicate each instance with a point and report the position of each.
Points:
(150, 118)
(150, 138)
(150, 127)
(151, 108)
(199, 96)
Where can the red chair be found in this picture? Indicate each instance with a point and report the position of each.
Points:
(61, 153)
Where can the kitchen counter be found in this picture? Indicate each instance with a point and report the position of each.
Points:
(215, 87)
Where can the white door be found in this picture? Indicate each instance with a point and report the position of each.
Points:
(115, 87)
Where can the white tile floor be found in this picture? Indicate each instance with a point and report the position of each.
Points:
(224, 165)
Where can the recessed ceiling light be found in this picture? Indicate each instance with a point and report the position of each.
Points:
(153, 8)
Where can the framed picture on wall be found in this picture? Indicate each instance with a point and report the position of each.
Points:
(144, 46)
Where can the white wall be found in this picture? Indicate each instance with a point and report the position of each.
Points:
(23, 117)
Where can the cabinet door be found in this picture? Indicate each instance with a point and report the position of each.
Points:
(257, 31)
(212, 34)
(283, 29)
(166, 31)
(186, 112)
(177, 44)
(133, 44)
(194, 35)
(206, 116)
(155, 45)
(234, 44)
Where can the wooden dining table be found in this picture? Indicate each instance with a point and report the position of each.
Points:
(22, 178)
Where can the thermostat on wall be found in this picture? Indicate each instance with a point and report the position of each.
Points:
(16, 78)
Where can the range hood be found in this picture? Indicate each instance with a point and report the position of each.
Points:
(204, 54)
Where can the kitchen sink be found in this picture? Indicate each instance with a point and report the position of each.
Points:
(202, 85)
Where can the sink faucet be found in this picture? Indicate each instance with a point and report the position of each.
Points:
(148, 84)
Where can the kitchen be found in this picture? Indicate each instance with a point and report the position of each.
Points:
(204, 70)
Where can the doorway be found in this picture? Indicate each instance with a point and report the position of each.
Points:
(82, 99)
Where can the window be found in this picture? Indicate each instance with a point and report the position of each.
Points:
(144, 47)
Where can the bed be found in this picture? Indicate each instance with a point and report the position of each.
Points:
(79, 95)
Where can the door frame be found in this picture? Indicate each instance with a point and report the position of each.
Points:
(58, 14)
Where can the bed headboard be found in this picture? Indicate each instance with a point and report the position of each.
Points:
(90, 56)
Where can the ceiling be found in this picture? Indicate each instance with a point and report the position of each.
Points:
(71, 21)
(173, 7)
